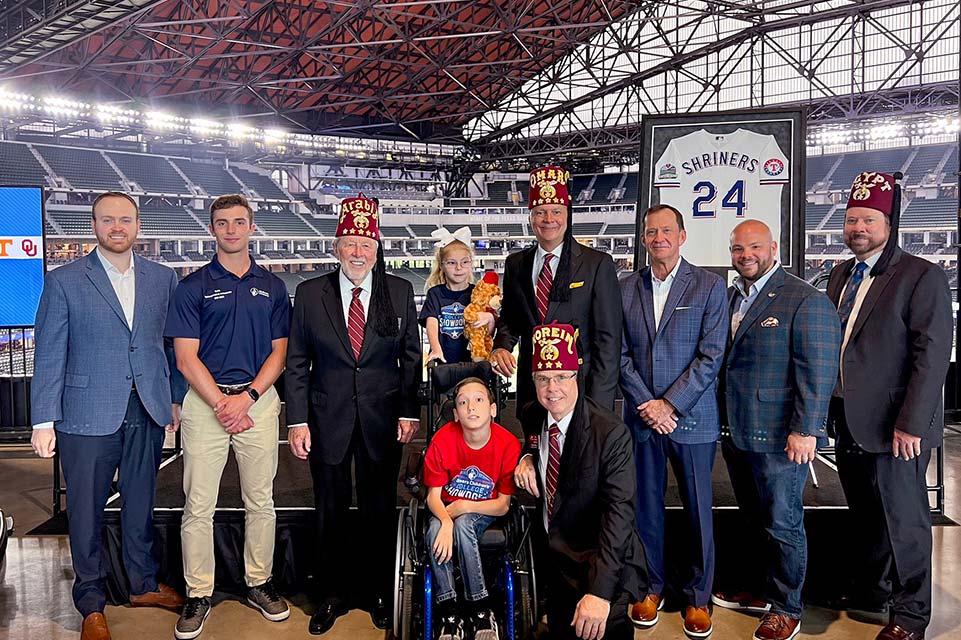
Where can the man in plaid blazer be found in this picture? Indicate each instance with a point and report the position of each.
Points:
(675, 327)
(775, 386)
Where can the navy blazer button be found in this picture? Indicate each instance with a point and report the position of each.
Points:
(357, 369)
(133, 348)
(128, 377)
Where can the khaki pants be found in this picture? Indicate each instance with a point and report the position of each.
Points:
(205, 445)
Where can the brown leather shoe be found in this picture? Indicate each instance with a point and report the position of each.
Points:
(895, 632)
(740, 601)
(777, 626)
(95, 628)
(643, 614)
(164, 597)
(697, 622)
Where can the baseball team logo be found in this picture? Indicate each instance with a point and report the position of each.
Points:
(774, 167)
(667, 172)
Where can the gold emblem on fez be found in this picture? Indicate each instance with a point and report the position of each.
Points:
(861, 192)
(548, 191)
(361, 220)
(549, 351)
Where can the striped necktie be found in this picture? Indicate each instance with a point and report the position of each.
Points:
(544, 283)
(553, 467)
(355, 322)
(851, 294)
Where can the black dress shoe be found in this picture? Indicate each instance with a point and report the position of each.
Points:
(380, 613)
(324, 618)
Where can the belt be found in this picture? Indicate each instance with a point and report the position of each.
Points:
(233, 389)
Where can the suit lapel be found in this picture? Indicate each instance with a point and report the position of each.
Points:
(874, 294)
(335, 311)
(572, 454)
(140, 285)
(527, 283)
(765, 297)
(645, 293)
(681, 282)
(98, 277)
(575, 269)
(836, 285)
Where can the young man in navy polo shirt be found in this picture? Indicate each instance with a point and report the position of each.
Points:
(229, 321)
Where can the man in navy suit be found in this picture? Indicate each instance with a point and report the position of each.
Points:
(780, 368)
(101, 392)
(675, 328)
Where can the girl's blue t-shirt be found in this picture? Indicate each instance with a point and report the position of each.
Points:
(448, 307)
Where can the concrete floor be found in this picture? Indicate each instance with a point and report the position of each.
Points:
(36, 578)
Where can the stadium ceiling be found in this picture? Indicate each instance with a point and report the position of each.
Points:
(842, 60)
(415, 69)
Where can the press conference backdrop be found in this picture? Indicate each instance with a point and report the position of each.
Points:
(22, 260)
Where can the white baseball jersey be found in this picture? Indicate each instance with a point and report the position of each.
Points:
(718, 180)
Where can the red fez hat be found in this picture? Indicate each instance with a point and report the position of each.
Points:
(491, 278)
(555, 348)
(873, 190)
(358, 217)
(549, 186)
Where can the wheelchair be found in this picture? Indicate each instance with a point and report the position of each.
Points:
(506, 547)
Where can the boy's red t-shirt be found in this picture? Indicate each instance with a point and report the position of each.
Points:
(471, 474)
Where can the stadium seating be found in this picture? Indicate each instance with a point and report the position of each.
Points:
(73, 222)
(817, 169)
(18, 166)
(603, 186)
(394, 232)
(588, 228)
(83, 168)
(886, 160)
(620, 229)
(813, 214)
(261, 184)
(937, 212)
(498, 194)
(170, 221)
(282, 223)
(422, 230)
(630, 188)
(213, 178)
(515, 229)
(925, 162)
(326, 226)
(154, 174)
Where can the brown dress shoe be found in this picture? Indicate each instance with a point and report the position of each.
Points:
(643, 614)
(164, 597)
(697, 622)
(740, 601)
(95, 628)
(895, 632)
(777, 626)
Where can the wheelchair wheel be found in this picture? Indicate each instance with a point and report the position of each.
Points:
(404, 577)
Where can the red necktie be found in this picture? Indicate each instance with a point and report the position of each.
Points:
(553, 467)
(544, 282)
(355, 322)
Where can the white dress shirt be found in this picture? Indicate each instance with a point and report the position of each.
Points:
(748, 297)
(858, 300)
(124, 286)
(539, 262)
(544, 450)
(347, 293)
(661, 289)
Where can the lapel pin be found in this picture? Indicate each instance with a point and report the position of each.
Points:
(771, 294)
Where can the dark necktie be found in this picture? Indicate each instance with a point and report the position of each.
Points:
(851, 293)
(553, 466)
(544, 282)
(355, 322)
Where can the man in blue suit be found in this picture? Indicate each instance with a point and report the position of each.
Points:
(675, 327)
(780, 369)
(101, 393)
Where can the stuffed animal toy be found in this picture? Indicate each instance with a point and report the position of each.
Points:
(485, 297)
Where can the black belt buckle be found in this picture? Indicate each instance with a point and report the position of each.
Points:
(232, 389)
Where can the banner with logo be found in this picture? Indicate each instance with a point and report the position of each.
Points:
(22, 257)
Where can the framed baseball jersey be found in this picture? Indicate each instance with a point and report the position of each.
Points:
(720, 169)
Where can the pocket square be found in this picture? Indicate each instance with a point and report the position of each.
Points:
(575, 285)
(770, 321)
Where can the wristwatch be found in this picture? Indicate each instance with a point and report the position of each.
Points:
(253, 393)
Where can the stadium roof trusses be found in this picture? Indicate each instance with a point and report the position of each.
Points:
(841, 59)
(418, 69)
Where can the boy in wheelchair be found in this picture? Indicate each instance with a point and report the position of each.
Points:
(468, 471)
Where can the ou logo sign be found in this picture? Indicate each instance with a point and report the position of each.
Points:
(20, 247)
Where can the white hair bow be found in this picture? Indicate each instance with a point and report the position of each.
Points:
(445, 237)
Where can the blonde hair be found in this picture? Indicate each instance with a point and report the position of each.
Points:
(437, 275)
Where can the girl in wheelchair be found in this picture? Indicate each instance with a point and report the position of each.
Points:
(468, 471)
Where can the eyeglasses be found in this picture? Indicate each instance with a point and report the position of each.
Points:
(544, 381)
(450, 264)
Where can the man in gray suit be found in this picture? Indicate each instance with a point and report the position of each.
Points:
(675, 327)
(101, 392)
(775, 385)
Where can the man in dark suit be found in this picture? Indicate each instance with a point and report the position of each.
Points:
(675, 329)
(887, 410)
(353, 369)
(102, 394)
(775, 385)
(578, 461)
(559, 280)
